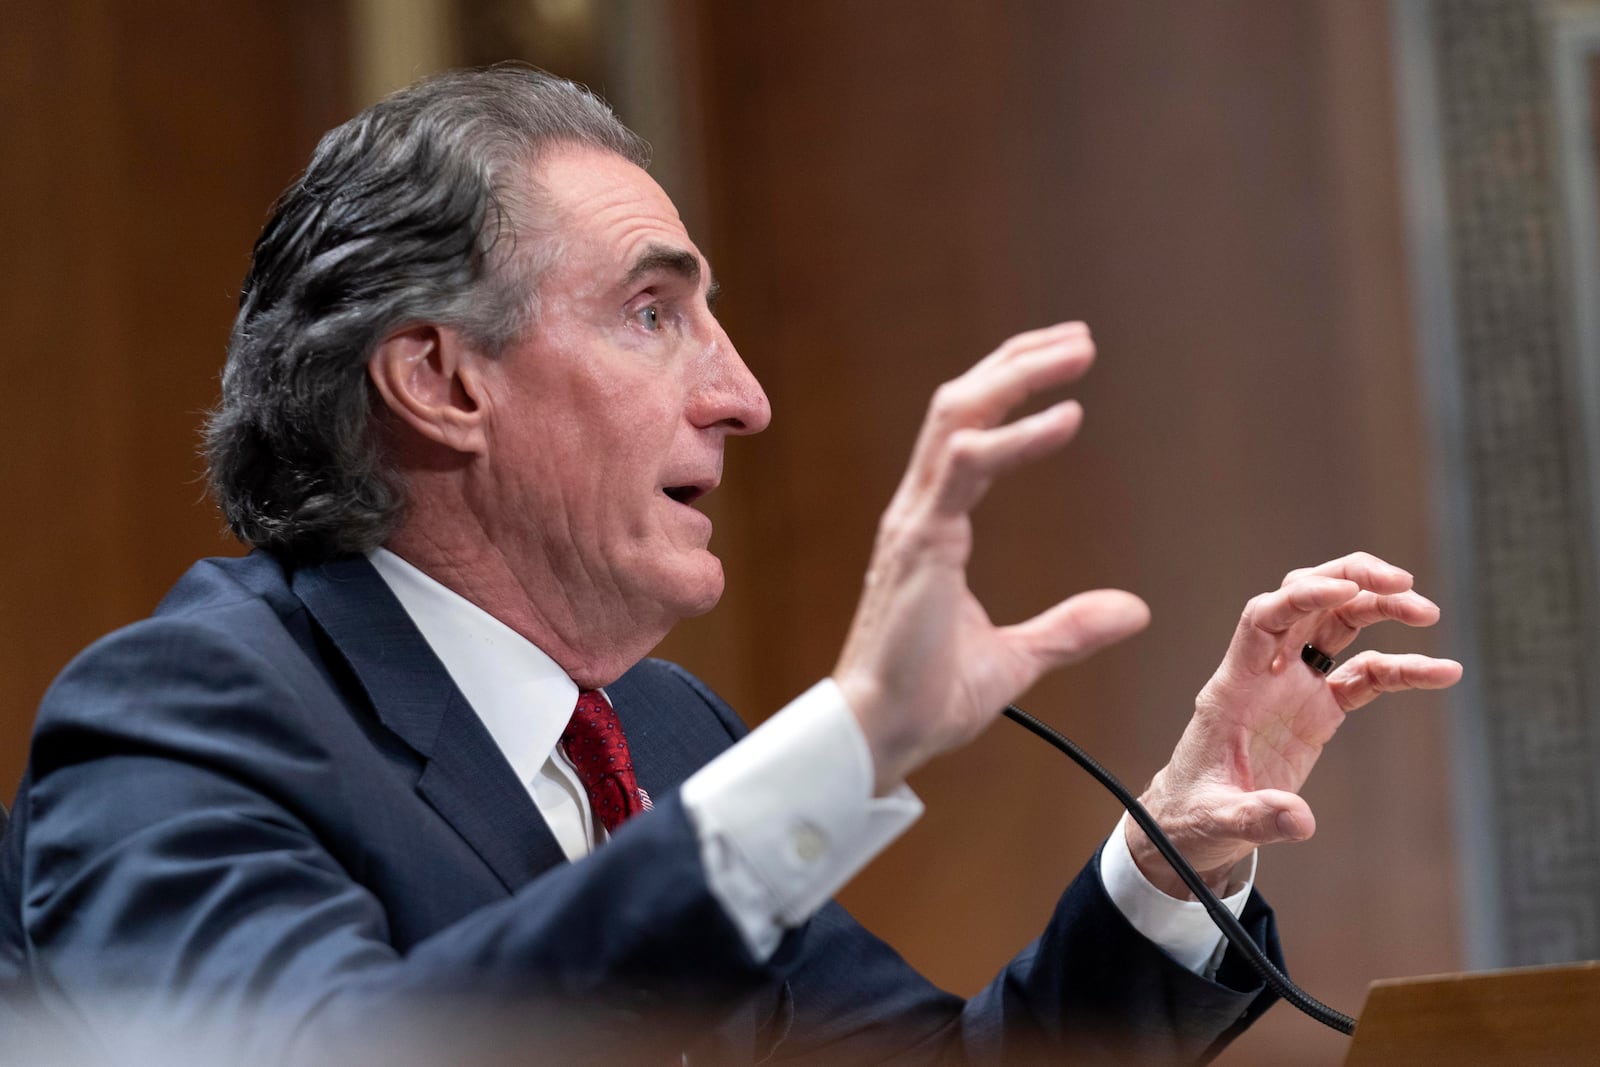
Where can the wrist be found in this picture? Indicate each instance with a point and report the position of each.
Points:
(1217, 869)
(888, 751)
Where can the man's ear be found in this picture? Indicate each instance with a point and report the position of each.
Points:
(428, 378)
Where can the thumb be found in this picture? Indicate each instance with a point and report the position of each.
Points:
(1080, 626)
(1267, 817)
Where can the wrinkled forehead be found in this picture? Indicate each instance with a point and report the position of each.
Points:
(606, 211)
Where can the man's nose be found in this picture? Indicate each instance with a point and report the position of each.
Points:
(730, 396)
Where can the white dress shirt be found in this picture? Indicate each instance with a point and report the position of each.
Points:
(785, 818)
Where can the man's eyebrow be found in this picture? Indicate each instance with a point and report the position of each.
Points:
(665, 259)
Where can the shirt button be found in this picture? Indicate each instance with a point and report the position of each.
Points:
(808, 842)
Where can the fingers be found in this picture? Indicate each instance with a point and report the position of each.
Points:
(1267, 617)
(978, 400)
(1359, 680)
(1277, 611)
(1022, 365)
(1342, 624)
(1363, 568)
(974, 458)
(924, 668)
(1338, 600)
(1080, 626)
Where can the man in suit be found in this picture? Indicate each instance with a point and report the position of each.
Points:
(375, 773)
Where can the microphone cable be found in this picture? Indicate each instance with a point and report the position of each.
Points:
(1275, 979)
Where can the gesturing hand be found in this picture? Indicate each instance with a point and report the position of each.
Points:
(1261, 721)
(924, 669)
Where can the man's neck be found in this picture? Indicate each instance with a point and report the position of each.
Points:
(538, 607)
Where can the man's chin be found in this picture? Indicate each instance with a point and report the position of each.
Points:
(682, 587)
(704, 593)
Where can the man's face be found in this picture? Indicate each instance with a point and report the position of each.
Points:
(608, 417)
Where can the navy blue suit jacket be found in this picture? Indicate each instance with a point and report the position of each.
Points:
(267, 808)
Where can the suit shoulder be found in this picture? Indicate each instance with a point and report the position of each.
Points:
(222, 639)
(659, 676)
(220, 582)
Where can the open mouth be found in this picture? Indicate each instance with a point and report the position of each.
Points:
(684, 494)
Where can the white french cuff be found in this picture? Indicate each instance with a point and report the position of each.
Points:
(786, 817)
(1181, 928)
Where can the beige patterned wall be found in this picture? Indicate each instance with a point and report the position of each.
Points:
(1512, 389)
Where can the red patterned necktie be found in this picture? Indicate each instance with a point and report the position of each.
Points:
(595, 744)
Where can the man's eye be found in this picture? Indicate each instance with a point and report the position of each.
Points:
(649, 317)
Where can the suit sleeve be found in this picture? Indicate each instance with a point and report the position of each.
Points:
(1090, 988)
(177, 876)
(178, 872)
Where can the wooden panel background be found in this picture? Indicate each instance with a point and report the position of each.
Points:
(140, 147)
(894, 187)
(890, 189)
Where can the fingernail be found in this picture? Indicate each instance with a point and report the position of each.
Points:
(1286, 824)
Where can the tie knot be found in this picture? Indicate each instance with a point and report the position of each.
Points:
(593, 707)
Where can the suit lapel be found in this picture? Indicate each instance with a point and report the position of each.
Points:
(464, 778)
(671, 731)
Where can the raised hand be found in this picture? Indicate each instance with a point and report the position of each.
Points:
(924, 669)
(1261, 721)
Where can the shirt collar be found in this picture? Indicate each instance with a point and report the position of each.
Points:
(522, 696)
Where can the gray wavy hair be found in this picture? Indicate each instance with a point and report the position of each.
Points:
(408, 213)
